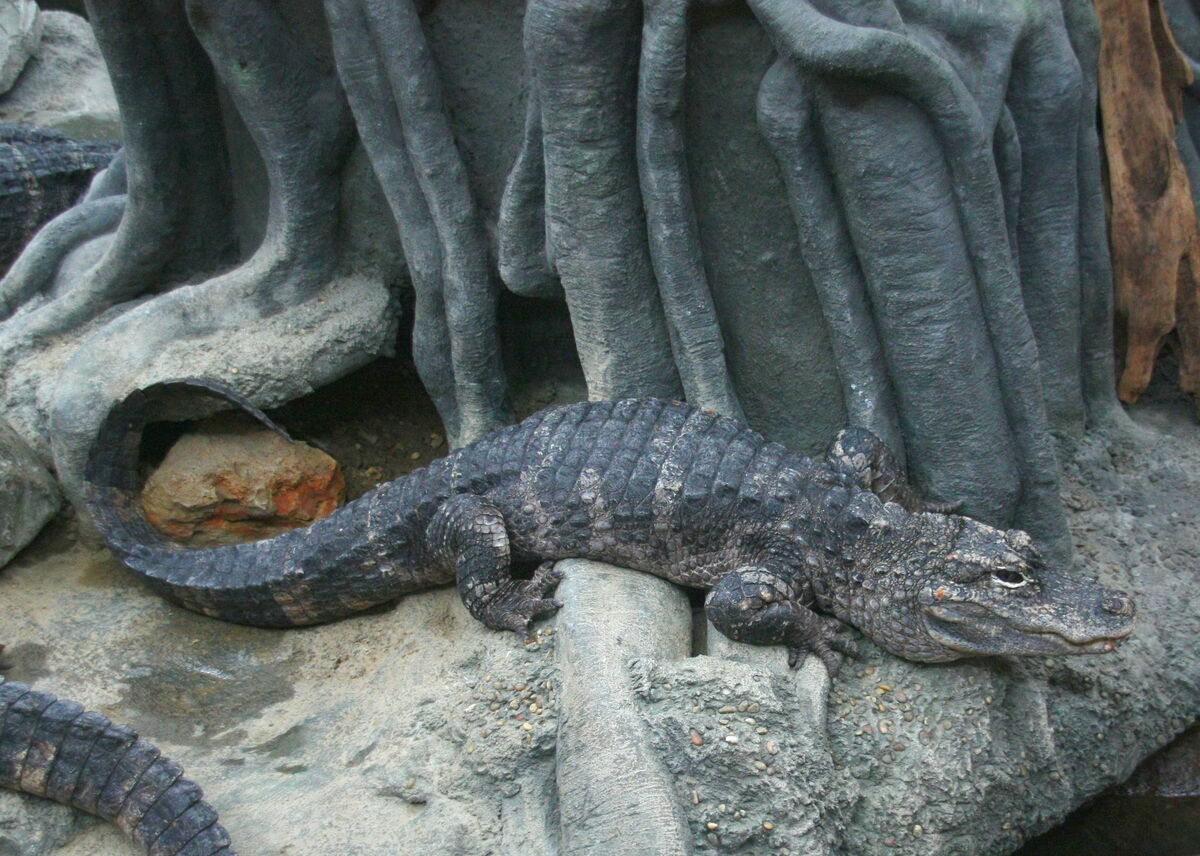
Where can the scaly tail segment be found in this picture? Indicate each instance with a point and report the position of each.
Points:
(56, 749)
(333, 568)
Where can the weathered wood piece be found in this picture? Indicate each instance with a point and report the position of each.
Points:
(1155, 244)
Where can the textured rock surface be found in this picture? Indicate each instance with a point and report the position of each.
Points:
(1173, 772)
(29, 496)
(20, 32)
(65, 84)
(405, 730)
(280, 358)
(231, 481)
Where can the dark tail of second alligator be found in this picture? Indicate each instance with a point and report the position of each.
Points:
(54, 748)
(319, 573)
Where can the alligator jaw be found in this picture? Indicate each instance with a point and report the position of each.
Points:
(972, 629)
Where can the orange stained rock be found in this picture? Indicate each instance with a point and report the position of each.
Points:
(228, 483)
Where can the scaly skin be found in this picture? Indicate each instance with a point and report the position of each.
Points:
(56, 749)
(792, 549)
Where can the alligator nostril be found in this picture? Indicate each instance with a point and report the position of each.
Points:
(1118, 604)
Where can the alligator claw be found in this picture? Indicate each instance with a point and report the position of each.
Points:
(832, 659)
(832, 644)
(515, 605)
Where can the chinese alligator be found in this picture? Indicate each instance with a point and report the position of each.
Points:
(792, 549)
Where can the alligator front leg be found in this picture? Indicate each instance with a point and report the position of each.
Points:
(755, 604)
(872, 464)
(467, 533)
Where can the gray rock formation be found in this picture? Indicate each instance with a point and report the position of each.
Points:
(29, 496)
(65, 84)
(20, 33)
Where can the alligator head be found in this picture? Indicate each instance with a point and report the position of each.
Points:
(938, 587)
(992, 594)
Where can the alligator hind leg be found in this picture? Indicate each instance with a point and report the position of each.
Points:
(871, 462)
(468, 533)
(754, 604)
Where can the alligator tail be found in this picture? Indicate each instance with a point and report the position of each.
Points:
(54, 748)
(318, 573)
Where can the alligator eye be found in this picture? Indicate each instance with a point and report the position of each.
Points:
(1009, 578)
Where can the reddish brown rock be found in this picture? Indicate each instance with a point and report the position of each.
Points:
(230, 482)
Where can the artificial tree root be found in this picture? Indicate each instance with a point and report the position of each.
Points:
(863, 48)
(393, 88)
(174, 222)
(583, 57)
(284, 96)
(674, 234)
(470, 291)
(34, 269)
(526, 265)
(110, 181)
(1045, 94)
(1097, 360)
(785, 118)
(368, 90)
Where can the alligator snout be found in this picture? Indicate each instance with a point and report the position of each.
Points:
(1118, 603)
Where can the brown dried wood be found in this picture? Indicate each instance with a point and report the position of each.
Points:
(1153, 224)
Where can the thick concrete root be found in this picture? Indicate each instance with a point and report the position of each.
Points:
(614, 794)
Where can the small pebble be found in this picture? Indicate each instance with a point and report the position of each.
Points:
(728, 709)
(772, 749)
(697, 739)
(768, 826)
(712, 826)
(760, 766)
(415, 456)
(760, 730)
(731, 738)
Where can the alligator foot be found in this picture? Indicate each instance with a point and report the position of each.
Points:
(827, 638)
(517, 603)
